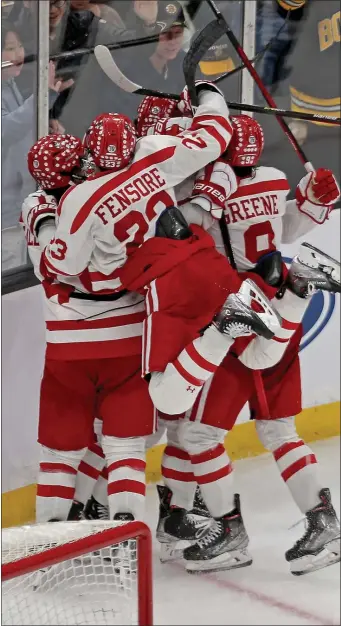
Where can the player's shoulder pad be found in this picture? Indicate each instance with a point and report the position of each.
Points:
(264, 172)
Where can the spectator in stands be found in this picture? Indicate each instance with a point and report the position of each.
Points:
(159, 65)
(18, 120)
(280, 26)
(102, 11)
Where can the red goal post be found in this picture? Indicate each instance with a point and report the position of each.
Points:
(38, 548)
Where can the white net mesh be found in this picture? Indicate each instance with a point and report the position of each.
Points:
(98, 587)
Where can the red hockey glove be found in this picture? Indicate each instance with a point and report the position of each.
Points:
(185, 106)
(316, 194)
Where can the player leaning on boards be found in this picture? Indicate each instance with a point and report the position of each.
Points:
(96, 252)
(259, 219)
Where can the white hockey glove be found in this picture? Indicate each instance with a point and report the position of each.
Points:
(37, 207)
(316, 194)
(213, 187)
(185, 106)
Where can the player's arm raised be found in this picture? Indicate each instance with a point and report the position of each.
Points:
(316, 194)
(204, 141)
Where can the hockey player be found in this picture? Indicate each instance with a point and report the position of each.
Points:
(259, 218)
(103, 223)
(93, 359)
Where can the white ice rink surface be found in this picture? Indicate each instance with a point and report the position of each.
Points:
(265, 592)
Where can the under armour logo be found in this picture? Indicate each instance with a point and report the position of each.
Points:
(191, 389)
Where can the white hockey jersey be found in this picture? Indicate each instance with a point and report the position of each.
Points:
(83, 329)
(102, 221)
(258, 215)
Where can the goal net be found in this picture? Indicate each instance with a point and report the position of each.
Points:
(87, 572)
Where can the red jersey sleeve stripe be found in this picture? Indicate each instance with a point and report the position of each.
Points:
(223, 143)
(218, 119)
(261, 187)
(113, 183)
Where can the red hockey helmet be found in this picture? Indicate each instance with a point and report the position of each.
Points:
(247, 143)
(111, 140)
(53, 158)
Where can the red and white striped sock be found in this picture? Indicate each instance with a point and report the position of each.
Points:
(126, 475)
(175, 390)
(178, 476)
(56, 483)
(214, 474)
(262, 353)
(299, 470)
(89, 471)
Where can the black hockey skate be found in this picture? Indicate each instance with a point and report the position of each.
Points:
(320, 545)
(95, 510)
(312, 270)
(199, 506)
(76, 512)
(176, 528)
(224, 547)
(237, 318)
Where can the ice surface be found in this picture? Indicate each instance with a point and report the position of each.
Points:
(266, 592)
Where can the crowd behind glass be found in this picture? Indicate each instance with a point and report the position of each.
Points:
(78, 89)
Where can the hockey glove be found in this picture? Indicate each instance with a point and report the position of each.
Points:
(316, 194)
(213, 187)
(36, 208)
(185, 106)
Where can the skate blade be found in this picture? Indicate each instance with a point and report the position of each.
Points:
(313, 562)
(229, 560)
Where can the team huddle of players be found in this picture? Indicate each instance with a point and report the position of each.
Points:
(156, 322)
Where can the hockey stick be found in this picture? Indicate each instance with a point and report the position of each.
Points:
(267, 97)
(205, 39)
(110, 68)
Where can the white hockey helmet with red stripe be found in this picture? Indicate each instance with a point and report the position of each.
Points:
(111, 140)
(53, 158)
(247, 143)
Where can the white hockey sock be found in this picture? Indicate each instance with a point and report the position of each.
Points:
(295, 460)
(211, 465)
(100, 492)
(262, 353)
(175, 390)
(56, 483)
(126, 471)
(177, 470)
(88, 473)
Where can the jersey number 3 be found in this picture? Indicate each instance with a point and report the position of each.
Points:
(259, 240)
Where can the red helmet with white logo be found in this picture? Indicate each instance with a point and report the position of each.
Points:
(111, 140)
(52, 160)
(247, 143)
